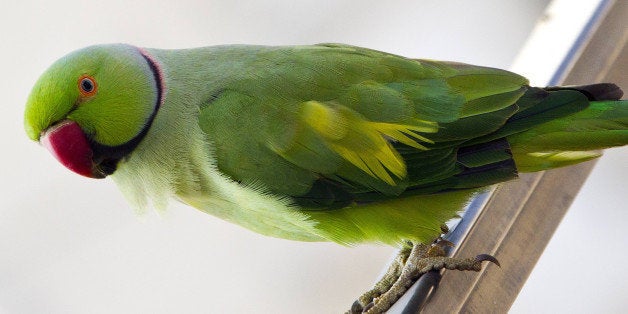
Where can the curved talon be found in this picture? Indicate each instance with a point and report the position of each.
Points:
(487, 257)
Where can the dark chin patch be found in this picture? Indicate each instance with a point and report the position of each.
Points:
(106, 158)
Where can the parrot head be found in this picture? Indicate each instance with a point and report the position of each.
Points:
(92, 107)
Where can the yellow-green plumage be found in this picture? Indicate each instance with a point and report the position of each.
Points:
(345, 144)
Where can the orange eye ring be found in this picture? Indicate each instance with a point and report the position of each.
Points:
(87, 85)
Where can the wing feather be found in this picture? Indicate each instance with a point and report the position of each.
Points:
(335, 120)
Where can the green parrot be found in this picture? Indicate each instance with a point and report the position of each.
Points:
(326, 142)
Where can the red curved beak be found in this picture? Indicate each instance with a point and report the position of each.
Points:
(68, 143)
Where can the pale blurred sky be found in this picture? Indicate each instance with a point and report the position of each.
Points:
(72, 245)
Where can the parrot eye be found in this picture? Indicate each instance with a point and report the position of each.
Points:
(87, 85)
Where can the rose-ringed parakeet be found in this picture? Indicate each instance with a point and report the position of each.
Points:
(313, 143)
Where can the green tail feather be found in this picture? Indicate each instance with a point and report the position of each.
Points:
(599, 123)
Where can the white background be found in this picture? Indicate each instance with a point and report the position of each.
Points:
(72, 245)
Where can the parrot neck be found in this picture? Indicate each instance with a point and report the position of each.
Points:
(174, 159)
(173, 156)
(108, 157)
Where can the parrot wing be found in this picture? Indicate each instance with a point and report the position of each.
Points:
(329, 125)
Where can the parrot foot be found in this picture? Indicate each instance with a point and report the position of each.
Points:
(411, 262)
(385, 283)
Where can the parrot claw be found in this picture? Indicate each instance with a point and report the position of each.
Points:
(488, 258)
(412, 262)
